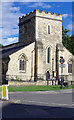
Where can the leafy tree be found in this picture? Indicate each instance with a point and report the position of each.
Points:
(67, 41)
(1, 45)
(65, 37)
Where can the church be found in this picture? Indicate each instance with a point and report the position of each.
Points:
(38, 50)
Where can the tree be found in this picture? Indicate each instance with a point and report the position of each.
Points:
(67, 41)
(1, 45)
(65, 37)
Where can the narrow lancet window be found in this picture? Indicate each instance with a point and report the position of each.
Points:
(48, 55)
(48, 29)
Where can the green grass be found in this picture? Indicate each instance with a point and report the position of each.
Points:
(37, 88)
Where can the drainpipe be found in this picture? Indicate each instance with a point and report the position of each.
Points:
(35, 65)
(32, 65)
(52, 69)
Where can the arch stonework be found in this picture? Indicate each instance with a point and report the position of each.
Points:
(25, 57)
(70, 60)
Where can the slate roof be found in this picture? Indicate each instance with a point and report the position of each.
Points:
(10, 49)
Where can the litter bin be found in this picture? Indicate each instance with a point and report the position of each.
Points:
(5, 92)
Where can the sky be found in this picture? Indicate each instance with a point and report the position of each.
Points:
(11, 11)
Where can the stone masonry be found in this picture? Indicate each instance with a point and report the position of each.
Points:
(33, 35)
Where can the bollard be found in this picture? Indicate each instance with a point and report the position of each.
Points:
(4, 92)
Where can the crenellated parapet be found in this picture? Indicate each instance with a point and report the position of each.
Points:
(48, 15)
(37, 13)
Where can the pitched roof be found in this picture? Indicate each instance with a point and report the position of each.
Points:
(10, 49)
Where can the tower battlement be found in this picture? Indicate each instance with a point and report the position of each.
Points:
(34, 26)
(43, 14)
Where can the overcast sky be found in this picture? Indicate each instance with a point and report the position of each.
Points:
(11, 11)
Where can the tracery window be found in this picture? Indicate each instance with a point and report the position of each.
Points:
(22, 63)
(69, 66)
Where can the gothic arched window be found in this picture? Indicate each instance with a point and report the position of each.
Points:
(69, 66)
(48, 29)
(22, 63)
(48, 55)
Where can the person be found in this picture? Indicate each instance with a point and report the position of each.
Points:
(47, 75)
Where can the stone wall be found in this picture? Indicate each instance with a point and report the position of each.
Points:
(33, 27)
(13, 66)
(47, 40)
(15, 83)
(27, 29)
(32, 83)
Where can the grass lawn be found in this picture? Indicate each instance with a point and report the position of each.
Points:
(38, 88)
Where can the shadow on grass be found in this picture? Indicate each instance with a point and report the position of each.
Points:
(14, 111)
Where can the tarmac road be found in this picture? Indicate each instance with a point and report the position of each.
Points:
(45, 104)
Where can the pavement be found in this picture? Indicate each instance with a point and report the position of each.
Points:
(39, 104)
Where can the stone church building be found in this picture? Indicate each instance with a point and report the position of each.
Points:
(39, 49)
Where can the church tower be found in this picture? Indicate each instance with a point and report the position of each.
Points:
(45, 29)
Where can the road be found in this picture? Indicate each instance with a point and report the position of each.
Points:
(49, 104)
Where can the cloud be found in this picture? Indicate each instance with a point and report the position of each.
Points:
(65, 15)
(9, 19)
(14, 9)
(10, 40)
(69, 26)
(40, 4)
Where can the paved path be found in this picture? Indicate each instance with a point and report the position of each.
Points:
(48, 104)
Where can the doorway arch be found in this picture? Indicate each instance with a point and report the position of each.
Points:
(47, 75)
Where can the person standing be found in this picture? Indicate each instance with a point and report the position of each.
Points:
(47, 77)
